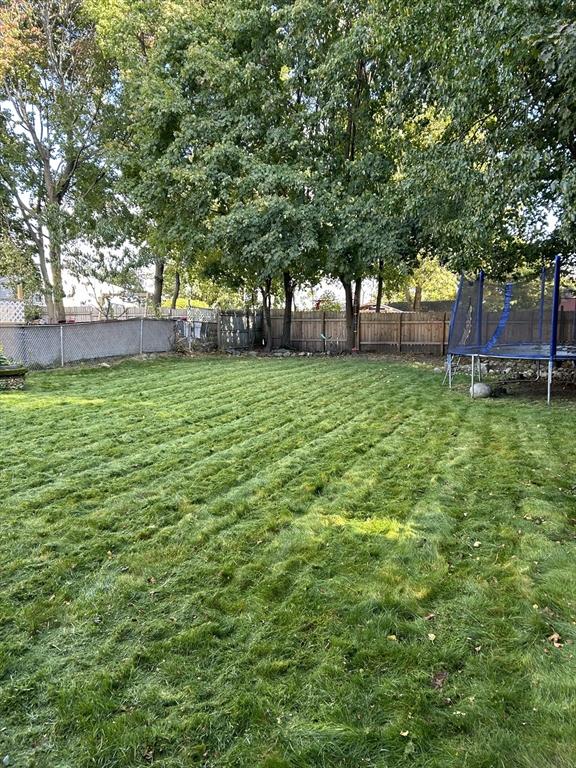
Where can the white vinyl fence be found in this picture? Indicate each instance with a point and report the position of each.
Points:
(49, 346)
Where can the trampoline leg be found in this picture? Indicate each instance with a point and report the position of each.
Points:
(550, 368)
(449, 361)
(472, 376)
(479, 369)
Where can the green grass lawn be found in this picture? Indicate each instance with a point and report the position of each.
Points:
(284, 563)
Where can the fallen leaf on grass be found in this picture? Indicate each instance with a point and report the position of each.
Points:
(429, 616)
(404, 733)
(556, 640)
(438, 679)
(431, 636)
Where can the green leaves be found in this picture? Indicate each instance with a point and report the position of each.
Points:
(58, 113)
(501, 73)
(258, 133)
(325, 137)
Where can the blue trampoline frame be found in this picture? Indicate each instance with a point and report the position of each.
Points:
(549, 351)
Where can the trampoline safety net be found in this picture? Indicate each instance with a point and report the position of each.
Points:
(513, 319)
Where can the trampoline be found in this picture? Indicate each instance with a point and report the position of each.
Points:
(518, 320)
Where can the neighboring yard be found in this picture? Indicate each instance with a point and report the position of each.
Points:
(284, 563)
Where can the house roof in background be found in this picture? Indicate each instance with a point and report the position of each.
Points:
(383, 308)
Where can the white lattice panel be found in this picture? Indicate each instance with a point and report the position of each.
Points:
(12, 312)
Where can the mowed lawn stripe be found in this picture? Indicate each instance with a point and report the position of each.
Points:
(113, 517)
(165, 451)
(74, 439)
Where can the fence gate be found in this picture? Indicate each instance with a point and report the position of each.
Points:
(239, 330)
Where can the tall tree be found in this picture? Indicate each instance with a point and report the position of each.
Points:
(147, 41)
(56, 95)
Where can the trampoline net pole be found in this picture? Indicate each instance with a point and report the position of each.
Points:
(555, 308)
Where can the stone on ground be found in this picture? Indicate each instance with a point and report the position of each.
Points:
(481, 389)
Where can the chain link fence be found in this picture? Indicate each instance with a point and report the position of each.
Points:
(49, 346)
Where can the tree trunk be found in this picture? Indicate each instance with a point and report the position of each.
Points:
(357, 300)
(158, 283)
(57, 287)
(50, 309)
(46, 282)
(176, 292)
(266, 319)
(347, 285)
(380, 286)
(417, 299)
(288, 301)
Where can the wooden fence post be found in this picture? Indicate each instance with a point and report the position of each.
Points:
(219, 329)
(443, 335)
(400, 332)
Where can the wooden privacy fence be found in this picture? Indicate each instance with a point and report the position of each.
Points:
(420, 332)
(528, 326)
